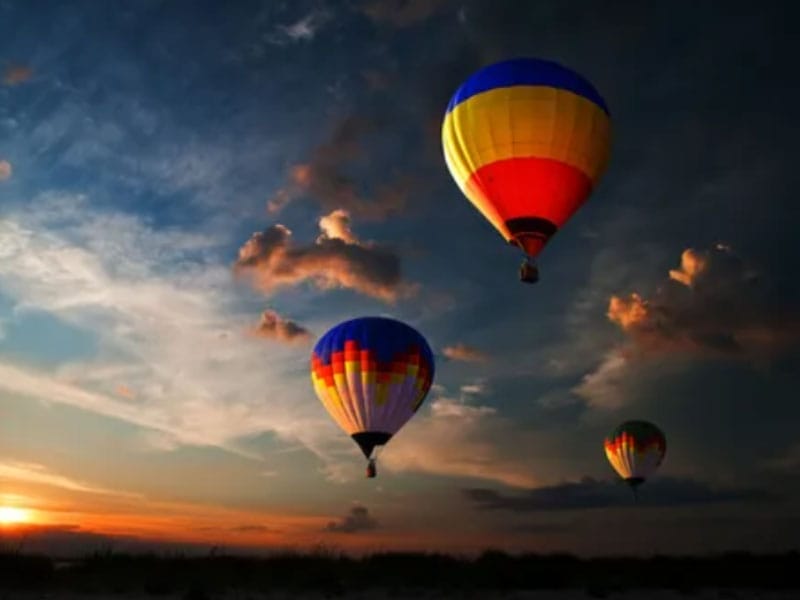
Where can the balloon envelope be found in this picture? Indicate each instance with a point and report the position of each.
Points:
(635, 449)
(372, 374)
(526, 140)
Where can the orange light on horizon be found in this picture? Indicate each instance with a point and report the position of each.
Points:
(12, 515)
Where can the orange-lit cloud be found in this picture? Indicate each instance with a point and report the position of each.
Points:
(336, 260)
(464, 353)
(5, 170)
(402, 13)
(628, 312)
(273, 326)
(17, 74)
(336, 226)
(323, 178)
(712, 304)
(693, 264)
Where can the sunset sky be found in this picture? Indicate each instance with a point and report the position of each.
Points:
(154, 392)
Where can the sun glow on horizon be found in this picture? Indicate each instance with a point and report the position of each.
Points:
(11, 515)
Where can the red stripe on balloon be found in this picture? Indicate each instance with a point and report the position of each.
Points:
(530, 187)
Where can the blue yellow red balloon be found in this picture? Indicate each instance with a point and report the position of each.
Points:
(527, 140)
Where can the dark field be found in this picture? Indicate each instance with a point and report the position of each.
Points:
(493, 574)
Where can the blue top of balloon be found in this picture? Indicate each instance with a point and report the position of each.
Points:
(384, 336)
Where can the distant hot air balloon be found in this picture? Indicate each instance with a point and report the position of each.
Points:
(526, 140)
(635, 449)
(372, 374)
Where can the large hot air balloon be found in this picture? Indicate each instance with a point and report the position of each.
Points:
(526, 140)
(635, 449)
(372, 374)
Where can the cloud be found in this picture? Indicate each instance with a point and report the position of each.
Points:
(5, 170)
(323, 178)
(464, 353)
(251, 529)
(601, 388)
(336, 226)
(457, 439)
(693, 265)
(39, 474)
(591, 493)
(402, 13)
(336, 260)
(17, 74)
(358, 519)
(157, 305)
(273, 326)
(713, 304)
(304, 29)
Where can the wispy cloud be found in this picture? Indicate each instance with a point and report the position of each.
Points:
(601, 388)
(464, 353)
(159, 307)
(325, 180)
(303, 30)
(39, 474)
(457, 439)
(5, 170)
(336, 260)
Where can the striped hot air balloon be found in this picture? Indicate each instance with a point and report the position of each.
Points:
(527, 140)
(635, 449)
(372, 374)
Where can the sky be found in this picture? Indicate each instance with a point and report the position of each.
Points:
(153, 392)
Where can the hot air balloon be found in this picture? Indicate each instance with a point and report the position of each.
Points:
(372, 374)
(526, 140)
(635, 449)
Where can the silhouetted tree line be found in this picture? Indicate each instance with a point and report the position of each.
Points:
(337, 573)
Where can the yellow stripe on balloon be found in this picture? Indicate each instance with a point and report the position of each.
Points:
(526, 121)
(329, 396)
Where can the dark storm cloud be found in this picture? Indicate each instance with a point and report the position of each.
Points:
(273, 326)
(713, 303)
(358, 519)
(335, 260)
(591, 493)
(325, 178)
